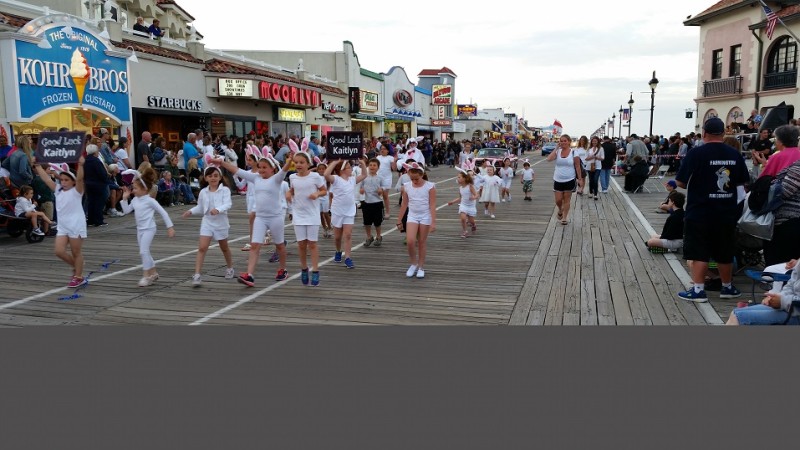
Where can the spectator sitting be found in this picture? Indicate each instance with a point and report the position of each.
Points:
(775, 308)
(670, 185)
(671, 237)
(167, 189)
(155, 30)
(139, 26)
(637, 175)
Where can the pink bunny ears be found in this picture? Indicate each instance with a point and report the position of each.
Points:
(467, 165)
(212, 161)
(412, 165)
(62, 168)
(253, 150)
(136, 175)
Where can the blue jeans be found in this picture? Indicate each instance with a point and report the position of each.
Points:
(188, 195)
(605, 178)
(762, 315)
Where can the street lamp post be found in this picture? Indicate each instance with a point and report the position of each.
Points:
(630, 114)
(613, 119)
(653, 83)
(620, 121)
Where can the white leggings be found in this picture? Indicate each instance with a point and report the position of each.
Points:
(145, 238)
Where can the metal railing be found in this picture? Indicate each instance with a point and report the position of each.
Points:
(723, 86)
(780, 80)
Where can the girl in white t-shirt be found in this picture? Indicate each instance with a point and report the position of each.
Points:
(388, 164)
(490, 192)
(324, 206)
(213, 203)
(72, 221)
(419, 199)
(269, 214)
(343, 208)
(144, 208)
(252, 157)
(467, 198)
(306, 188)
(507, 175)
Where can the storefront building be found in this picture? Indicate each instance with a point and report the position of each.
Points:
(58, 72)
(332, 116)
(364, 106)
(400, 108)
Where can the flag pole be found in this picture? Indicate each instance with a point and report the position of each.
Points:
(788, 30)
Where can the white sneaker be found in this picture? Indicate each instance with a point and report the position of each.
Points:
(145, 281)
(229, 273)
(411, 270)
(421, 273)
(246, 248)
(196, 280)
(485, 212)
(492, 216)
(37, 232)
(502, 200)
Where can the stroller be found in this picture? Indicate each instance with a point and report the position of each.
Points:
(13, 225)
(749, 252)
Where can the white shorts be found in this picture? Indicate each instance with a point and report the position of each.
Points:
(386, 182)
(216, 234)
(273, 224)
(251, 204)
(338, 221)
(672, 244)
(76, 232)
(422, 220)
(324, 204)
(306, 233)
(472, 212)
(506, 184)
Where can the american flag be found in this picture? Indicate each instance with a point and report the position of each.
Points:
(772, 20)
(626, 114)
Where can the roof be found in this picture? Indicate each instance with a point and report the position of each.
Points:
(790, 8)
(149, 49)
(13, 20)
(220, 66)
(371, 74)
(436, 72)
(174, 4)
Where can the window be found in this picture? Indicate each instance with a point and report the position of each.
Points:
(736, 61)
(716, 64)
(783, 57)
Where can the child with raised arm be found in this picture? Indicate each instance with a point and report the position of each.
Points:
(269, 214)
(343, 207)
(69, 209)
(213, 204)
(25, 208)
(419, 200)
(467, 197)
(250, 198)
(144, 206)
(372, 206)
(306, 187)
(528, 176)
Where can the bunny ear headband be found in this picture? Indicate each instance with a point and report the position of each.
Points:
(211, 161)
(412, 165)
(136, 176)
(304, 144)
(62, 168)
(293, 146)
(462, 170)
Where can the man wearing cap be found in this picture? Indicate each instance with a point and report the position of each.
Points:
(664, 207)
(710, 173)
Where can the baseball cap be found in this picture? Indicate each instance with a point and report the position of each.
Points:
(714, 125)
(672, 183)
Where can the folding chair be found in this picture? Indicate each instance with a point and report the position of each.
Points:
(765, 279)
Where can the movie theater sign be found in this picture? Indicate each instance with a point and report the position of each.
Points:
(282, 93)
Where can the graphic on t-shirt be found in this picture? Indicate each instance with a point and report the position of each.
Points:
(723, 178)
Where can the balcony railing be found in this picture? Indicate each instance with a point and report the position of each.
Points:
(723, 86)
(780, 80)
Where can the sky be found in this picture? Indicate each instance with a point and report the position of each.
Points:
(576, 62)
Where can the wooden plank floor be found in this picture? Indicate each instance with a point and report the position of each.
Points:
(521, 268)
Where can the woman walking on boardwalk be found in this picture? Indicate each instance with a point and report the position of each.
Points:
(565, 177)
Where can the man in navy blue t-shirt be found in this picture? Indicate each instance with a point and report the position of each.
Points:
(711, 173)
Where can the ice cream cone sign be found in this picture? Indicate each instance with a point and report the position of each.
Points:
(79, 71)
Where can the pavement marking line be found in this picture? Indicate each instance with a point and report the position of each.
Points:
(706, 310)
(103, 277)
(272, 287)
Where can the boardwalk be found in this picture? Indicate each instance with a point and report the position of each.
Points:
(521, 268)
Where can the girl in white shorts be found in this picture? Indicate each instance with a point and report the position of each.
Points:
(343, 207)
(419, 199)
(388, 164)
(69, 195)
(507, 175)
(306, 188)
(269, 214)
(467, 199)
(253, 155)
(324, 206)
(213, 203)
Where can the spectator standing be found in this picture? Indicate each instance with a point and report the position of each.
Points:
(143, 151)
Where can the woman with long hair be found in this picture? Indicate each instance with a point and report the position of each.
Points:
(565, 177)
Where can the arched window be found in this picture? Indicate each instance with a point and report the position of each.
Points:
(783, 56)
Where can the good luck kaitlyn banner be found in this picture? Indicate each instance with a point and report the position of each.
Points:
(59, 147)
(344, 145)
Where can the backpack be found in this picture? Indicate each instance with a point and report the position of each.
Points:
(759, 193)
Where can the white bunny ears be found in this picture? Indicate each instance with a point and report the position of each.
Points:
(137, 176)
(63, 168)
